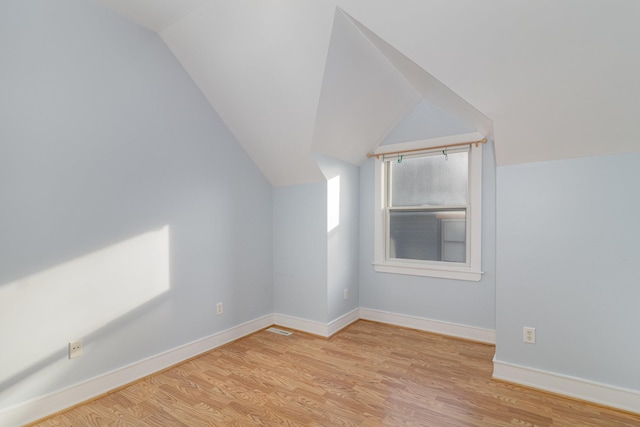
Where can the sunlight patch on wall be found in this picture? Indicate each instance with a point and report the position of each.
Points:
(74, 299)
(333, 203)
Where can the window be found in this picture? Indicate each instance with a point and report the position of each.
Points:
(428, 212)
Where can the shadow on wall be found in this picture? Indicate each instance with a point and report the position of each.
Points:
(77, 299)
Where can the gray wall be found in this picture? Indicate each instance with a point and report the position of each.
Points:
(300, 251)
(104, 137)
(463, 302)
(568, 236)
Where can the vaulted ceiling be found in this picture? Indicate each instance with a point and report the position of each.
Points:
(546, 79)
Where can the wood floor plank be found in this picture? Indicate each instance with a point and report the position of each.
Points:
(368, 374)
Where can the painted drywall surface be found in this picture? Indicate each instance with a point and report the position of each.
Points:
(261, 63)
(426, 119)
(456, 301)
(300, 251)
(568, 237)
(115, 170)
(524, 64)
(363, 96)
(154, 14)
(343, 231)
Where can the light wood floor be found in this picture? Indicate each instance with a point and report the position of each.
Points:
(369, 374)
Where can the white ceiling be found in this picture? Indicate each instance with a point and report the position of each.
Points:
(369, 88)
(363, 96)
(156, 15)
(550, 79)
(260, 65)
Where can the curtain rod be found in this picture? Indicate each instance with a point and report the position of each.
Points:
(459, 144)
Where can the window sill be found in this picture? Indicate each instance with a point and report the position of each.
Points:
(429, 271)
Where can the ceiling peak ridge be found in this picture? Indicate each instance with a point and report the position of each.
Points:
(428, 86)
(363, 30)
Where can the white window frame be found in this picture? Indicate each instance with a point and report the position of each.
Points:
(472, 269)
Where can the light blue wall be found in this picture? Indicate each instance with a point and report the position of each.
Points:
(312, 266)
(463, 302)
(300, 251)
(568, 236)
(103, 137)
(342, 241)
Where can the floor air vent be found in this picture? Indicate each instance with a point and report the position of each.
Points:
(279, 331)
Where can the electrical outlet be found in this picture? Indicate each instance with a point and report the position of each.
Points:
(346, 293)
(529, 335)
(75, 349)
(219, 309)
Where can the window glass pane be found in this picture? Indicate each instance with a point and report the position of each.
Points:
(430, 180)
(428, 235)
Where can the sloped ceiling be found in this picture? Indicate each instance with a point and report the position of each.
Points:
(156, 15)
(426, 122)
(363, 97)
(369, 87)
(260, 65)
(556, 79)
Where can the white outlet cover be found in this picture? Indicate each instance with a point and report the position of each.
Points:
(75, 349)
(529, 335)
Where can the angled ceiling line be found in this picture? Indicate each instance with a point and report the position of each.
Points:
(397, 122)
(322, 83)
(363, 96)
(437, 92)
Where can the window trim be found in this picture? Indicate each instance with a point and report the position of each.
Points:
(472, 269)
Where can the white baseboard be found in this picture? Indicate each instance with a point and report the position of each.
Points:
(299, 324)
(316, 328)
(343, 321)
(46, 405)
(43, 406)
(472, 333)
(604, 394)
(616, 397)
